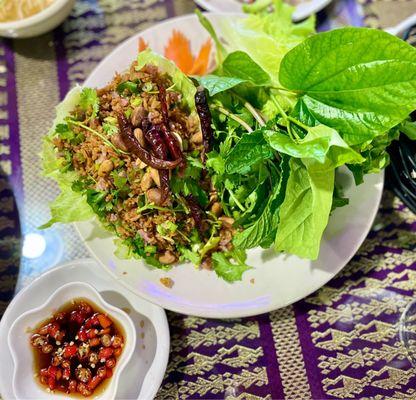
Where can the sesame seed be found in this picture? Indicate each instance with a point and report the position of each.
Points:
(102, 360)
(92, 365)
(71, 343)
(58, 342)
(76, 337)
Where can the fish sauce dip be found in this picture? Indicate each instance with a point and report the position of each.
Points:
(76, 350)
(14, 10)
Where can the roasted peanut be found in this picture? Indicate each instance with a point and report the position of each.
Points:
(105, 167)
(147, 181)
(167, 258)
(154, 195)
(216, 209)
(138, 134)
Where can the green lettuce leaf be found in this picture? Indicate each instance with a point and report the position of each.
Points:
(266, 38)
(182, 83)
(359, 81)
(69, 206)
(305, 210)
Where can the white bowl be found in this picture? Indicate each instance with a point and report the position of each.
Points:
(39, 23)
(25, 385)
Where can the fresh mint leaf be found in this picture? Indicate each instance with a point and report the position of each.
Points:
(89, 101)
(321, 143)
(249, 150)
(216, 162)
(228, 270)
(262, 231)
(359, 81)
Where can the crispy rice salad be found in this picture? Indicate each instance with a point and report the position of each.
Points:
(136, 151)
(202, 169)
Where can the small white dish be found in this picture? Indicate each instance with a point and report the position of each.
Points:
(402, 26)
(144, 373)
(44, 21)
(22, 352)
(302, 10)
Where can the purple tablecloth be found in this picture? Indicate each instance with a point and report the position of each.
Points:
(341, 342)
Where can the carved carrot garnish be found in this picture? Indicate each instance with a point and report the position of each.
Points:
(178, 50)
(143, 45)
(200, 66)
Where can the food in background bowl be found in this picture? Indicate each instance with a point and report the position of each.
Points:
(13, 10)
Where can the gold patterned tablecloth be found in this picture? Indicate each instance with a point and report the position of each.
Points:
(341, 342)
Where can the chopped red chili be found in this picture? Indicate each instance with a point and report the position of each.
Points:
(77, 349)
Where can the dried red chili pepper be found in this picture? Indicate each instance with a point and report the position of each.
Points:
(134, 146)
(196, 212)
(163, 104)
(205, 119)
(170, 140)
(156, 143)
(172, 144)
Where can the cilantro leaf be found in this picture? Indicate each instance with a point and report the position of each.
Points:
(228, 270)
(89, 101)
(110, 129)
(127, 86)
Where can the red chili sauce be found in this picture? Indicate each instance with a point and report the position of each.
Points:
(76, 349)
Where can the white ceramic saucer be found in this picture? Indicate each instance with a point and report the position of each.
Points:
(143, 375)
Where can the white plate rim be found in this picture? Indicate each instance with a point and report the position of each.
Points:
(208, 313)
(158, 318)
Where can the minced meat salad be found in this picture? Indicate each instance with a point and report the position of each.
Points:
(139, 156)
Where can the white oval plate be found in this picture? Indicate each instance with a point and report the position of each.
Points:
(276, 280)
(144, 372)
(303, 10)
